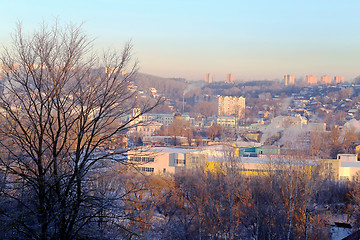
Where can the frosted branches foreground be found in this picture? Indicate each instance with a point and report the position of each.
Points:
(60, 104)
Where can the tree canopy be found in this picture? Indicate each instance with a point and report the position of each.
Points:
(60, 104)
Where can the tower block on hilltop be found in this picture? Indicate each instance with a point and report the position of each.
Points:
(208, 78)
(338, 79)
(289, 80)
(325, 79)
(311, 79)
(229, 78)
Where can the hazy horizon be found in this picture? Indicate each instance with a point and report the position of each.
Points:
(186, 39)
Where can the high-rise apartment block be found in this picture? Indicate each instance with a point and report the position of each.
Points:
(229, 78)
(338, 79)
(208, 78)
(325, 79)
(311, 79)
(228, 106)
(289, 80)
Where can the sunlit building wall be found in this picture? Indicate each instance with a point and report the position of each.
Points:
(229, 78)
(311, 79)
(289, 79)
(338, 79)
(325, 79)
(228, 106)
(208, 78)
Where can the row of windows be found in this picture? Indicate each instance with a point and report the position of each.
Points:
(145, 169)
(344, 178)
(146, 129)
(142, 159)
(195, 159)
(260, 170)
(180, 161)
(354, 178)
(328, 165)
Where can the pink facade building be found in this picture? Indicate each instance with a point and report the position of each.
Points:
(338, 79)
(325, 79)
(208, 78)
(311, 79)
(229, 78)
(228, 105)
(289, 79)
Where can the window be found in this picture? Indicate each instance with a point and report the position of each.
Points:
(142, 159)
(344, 178)
(145, 169)
(356, 178)
(180, 161)
(328, 166)
(147, 159)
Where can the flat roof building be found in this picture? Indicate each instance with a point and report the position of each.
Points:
(163, 160)
(231, 106)
(229, 78)
(289, 79)
(208, 78)
(325, 79)
(311, 79)
(338, 79)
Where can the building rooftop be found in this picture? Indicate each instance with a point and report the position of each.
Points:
(170, 150)
(266, 160)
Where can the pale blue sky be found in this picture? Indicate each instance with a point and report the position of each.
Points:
(251, 39)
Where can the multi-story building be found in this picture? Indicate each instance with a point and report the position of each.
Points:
(311, 79)
(231, 106)
(223, 121)
(338, 79)
(348, 166)
(250, 161)
(289, 80)
(226, 121)
(160, 160)
(148, 128)
(208, 78)
(163, 118)
(150, 122)
(325, 79)
(229, 78)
